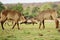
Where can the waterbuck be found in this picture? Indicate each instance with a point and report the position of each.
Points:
(21, 20)
(47, 14)
(13, 15)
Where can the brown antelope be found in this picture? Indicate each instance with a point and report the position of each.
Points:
(46, 14)
(22, 19)
(10, 15)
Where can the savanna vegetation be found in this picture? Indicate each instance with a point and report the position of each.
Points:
(30, 32)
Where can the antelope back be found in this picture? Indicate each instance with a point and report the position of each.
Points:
(10, 14)
(13, 15)
(46, 14)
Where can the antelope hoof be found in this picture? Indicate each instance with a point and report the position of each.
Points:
(39, 27)
(44, 28)
(3, 28)
(12, 28)
(18, 28)
(57, 27)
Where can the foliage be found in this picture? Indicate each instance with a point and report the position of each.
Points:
(17, 7)
(58, 10)
(35, 9)
(47, 6)
(1, 6)
(27, 12)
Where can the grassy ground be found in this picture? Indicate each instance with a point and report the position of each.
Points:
(30, 32)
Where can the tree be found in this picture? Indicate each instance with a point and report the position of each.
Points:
(35, 10)
(46, 6)
(1, 6)
(17, 7)
(27, 12)
(58, 11)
